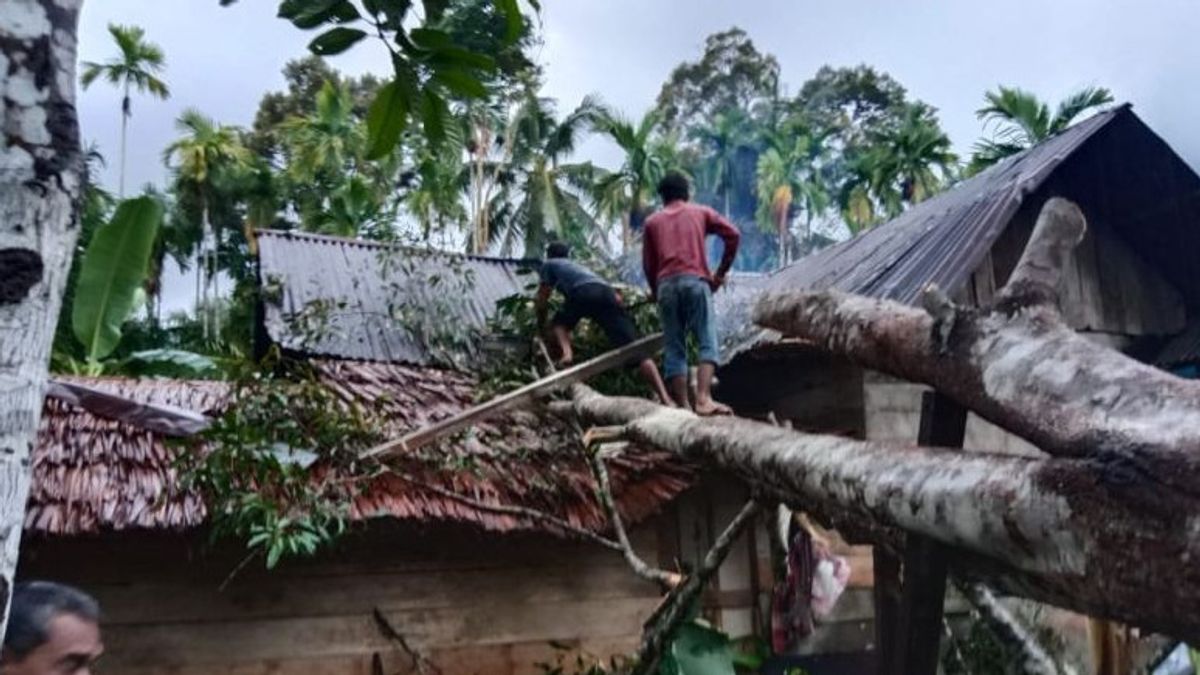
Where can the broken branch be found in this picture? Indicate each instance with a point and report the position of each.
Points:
(674, 610)
(1008, 629)
(516, 511)
(605, 495)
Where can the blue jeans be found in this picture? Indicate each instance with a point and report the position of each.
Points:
(685, 306)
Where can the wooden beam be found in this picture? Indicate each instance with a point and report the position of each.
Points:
(943, 424)
(886, 593)
(640, 349)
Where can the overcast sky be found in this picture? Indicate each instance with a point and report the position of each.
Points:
(222, 60)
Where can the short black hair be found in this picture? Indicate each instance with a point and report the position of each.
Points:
(34, 605)
(673, 187)
(558, 249)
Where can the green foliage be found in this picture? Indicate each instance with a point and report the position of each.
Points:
(541, 198)
(136, 66)
(429, 65)
(111, 277)
(515, 323)
(1021, 121)
(697, 649)
(731, 75)
(257, 475)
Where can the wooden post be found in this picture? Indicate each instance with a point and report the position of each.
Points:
(943, 424)
(886, 593)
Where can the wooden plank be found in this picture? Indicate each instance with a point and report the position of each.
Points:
(128, 557)
(646, 346)
(153, 601)
(886, 591)
(520, 658)
(943, 424)
(225, 642)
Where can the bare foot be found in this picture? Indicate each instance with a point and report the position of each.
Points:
(566, 361)
(712, 408)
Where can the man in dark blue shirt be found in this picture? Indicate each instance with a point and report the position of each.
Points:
(587, 297)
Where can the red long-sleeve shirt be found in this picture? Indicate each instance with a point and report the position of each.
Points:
(673, 242)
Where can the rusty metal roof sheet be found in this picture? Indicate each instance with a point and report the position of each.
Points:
(356, 299)
(1126, 176)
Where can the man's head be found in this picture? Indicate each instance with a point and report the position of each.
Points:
(673, 188)
(558, 249)
(52, 630)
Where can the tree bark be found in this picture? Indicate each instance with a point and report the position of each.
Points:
(1031, 657)
(1050, 529)
(1020, 366)
(41, 179)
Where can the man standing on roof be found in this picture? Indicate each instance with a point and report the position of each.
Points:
(587, 297)
(673, 256)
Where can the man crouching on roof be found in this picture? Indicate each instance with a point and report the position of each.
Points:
(676, 266)
(587, 297)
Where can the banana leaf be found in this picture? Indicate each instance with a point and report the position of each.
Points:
(113, 270)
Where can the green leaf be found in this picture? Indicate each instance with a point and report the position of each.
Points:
(274, 553)
(433, 117)
(434, 9)
(335, 41)
(461, 83)
(113, 270)
(386, 119)
(431, 38)
(170, 362)
(514, 23)
(700, 650)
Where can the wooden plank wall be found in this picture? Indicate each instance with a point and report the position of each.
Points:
(1106, 288)
(473, 602)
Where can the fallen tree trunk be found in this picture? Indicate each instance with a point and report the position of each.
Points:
(1019, 365)
(1049, 529)
(41, 177)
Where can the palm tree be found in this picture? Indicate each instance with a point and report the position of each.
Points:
(336, 190)
(550, 194)
(207, 154)
(1022, 121)
(135, 67)
(902, 165)
(625, 192)
(721, 141)
(327, 141)
(788, 177)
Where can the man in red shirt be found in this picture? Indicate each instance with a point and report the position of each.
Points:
(676, 267)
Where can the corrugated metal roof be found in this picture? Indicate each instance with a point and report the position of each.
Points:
(944, 239)
(365, 300)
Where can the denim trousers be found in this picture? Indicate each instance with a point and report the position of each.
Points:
(685, 306)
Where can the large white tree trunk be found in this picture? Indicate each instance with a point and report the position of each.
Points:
(1021, 366)
(41, 175)
(1049, 529)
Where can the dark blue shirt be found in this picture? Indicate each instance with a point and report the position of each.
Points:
(566, 275)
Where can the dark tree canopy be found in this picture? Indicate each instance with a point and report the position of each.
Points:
(853, 103)
(304, 77)
(731, 74)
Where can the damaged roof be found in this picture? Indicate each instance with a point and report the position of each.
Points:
(93, 472)
(354, 299)
(1114, 166)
